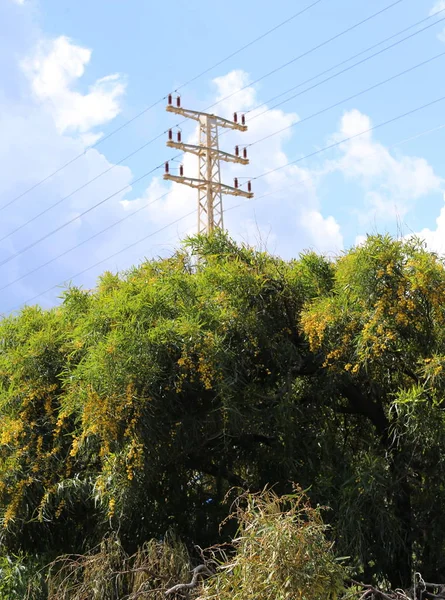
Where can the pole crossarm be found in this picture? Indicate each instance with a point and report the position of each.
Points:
(196, 115)
(203, 184)
(208, 180)
(202, 151)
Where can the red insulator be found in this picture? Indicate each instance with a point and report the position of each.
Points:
(178, 101)
(236, 150)
(170, 134)
(243, 119)
(249, 186)
(235, 117)
(181, 170)
(244, 152)
(179, 136)
(235, 181)
(170, 99)
(166, 167)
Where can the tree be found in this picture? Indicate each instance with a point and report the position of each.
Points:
(138, 405)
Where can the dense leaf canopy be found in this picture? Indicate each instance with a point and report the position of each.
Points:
(136, 407)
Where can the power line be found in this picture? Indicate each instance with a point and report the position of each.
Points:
(307, 52)
(145, 206)
(146, 237)
(211, 106)
(72, 220)
(285, 22)
(83, 186)
(303, 180)
(157, 102)
(95, 235)
(347, 68)
(56, 230)
(352, 137)
(336, 104)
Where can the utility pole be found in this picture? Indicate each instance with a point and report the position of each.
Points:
(208, 183)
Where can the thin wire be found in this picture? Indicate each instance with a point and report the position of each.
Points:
(304, 54)
(145, 206)
(291, 18)
(70, 162)
(118, 222)
(146, 237)
(352, 137)
(303, 180)
(72, 220)
(340, 102)
(56, 230)
(185, 120)
(393, 77)
(343, 70)
(156, 103)
(79, 188)
(308, 179)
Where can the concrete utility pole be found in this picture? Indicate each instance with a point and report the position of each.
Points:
(208, 183)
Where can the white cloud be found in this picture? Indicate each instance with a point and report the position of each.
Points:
(292, 208)
(391, 184)
(435, 238)
(439, 5)
(54, 68)
(325, 232)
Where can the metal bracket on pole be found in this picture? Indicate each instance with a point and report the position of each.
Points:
(208, 183)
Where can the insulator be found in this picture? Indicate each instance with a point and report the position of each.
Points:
(178, 101)
(235, 117)
(249, 186)
(235, 182)
(170, 134)
(243, 119)
(166, 167)
(244, 152)
(181, 170)
(170, 99)
(236, 150)
(179, 136)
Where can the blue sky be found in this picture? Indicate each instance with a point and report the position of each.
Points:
(73, 72)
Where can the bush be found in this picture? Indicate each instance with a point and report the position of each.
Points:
(280, 552)
(21, 577)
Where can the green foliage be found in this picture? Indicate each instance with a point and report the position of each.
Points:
(136, 406)
(21, 577)
(280, 552)
(108, 573)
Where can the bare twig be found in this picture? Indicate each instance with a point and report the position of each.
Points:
(197, 571)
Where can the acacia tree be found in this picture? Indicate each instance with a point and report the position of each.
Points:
(381, 333)
(137, 405)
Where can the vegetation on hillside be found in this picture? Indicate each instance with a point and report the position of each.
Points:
(148, 404)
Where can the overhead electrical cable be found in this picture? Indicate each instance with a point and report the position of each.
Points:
(360, 62)
(164, 132)
(352, 97)
(57, 229)
(157, 102)
(306, 53)
(80, 215)
(352, 137)
(324, 149)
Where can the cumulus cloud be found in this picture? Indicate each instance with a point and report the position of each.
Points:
(439, 5)
(285, 200)
(391, 184)
(54, 68)
(435, 238)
